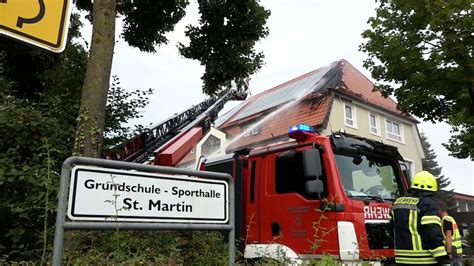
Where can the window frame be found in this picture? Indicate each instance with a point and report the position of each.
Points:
(354, 115)
(377, 124)
(389, 133)
(411, 163)
(255, 131)
(252, 131)
(280, 182)
(246, 128)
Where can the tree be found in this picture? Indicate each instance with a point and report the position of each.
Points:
(122, 106)
(91, 119)
(225, 39)
(145, 26)
(431, 165)
(38, 106)
(426, 49)
(39, 103)
(145, 23)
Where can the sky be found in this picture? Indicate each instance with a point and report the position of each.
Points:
(304, 35)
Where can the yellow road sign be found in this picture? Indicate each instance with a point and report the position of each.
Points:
(42, 23)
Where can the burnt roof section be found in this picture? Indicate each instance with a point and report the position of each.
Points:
(339, 75)
(318, 80)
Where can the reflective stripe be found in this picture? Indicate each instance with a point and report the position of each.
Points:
(415, 260)
(415, 237)
(414, 256)
(449, 218)
(406, 200)
(430, 219)
(439, 251)
(412, 253)
(411, 221)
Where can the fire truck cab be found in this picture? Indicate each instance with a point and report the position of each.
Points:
(316, 195)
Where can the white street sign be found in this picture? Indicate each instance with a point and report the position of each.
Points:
(103, 194)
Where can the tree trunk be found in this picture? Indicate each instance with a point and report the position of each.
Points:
(91, 119)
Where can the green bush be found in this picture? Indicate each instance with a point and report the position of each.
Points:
(146, 247)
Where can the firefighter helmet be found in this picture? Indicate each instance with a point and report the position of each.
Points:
(424, 181)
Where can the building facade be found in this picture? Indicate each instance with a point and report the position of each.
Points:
(330, 98)
(464, 211)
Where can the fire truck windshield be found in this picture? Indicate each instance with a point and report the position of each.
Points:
(369, 177)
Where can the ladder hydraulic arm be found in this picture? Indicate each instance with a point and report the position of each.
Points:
(144, 147)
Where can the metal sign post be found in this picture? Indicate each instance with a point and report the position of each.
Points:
(106, 195)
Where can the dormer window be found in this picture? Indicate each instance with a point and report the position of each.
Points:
(250, 130)
(246, 131)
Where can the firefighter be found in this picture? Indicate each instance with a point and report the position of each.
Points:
(451, 234)
(417, 226)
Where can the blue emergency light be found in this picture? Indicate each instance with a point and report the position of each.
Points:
(301, 128)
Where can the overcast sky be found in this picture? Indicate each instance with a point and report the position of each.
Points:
(304, 35)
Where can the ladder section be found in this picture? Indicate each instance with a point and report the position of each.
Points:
(145, 146)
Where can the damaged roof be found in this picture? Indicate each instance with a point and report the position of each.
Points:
(339, 75)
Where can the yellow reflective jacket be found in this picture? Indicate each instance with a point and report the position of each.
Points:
(417, 230)
(456, 236)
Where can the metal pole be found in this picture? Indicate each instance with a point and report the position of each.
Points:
(61, 211)
(232, 221)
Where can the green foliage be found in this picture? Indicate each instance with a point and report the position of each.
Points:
(425, 47)
(122, 106)
(25, 70)
(37, 131)
(431, 165)
(225, 39)
(147, 247)
(145, 23)
(40, 94)
(38, 111)
(327, 260)
(23, 161)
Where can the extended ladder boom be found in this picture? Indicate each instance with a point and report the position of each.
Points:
(142, 148)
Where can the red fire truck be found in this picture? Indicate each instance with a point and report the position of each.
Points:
(315, 195)
(299, 200)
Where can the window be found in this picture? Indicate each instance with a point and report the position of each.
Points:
(252, 181)
(394, 130)
(255, 130)
(368, 177)
(374, 124)
(250, 130)
(350, 118)
(246, 131)
(470, 207)
(289, 175)
(409, 165)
